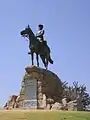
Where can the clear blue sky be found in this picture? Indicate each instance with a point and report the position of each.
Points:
(67, 25)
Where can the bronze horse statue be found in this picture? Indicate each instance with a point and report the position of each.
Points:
(36, 47)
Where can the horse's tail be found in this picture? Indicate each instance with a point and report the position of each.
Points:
(50, 60)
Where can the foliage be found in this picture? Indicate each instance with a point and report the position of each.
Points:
(76, 92)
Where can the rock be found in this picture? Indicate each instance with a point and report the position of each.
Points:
(48, 107)
(56, 106)
(72, 105)
(44, 101)
(50, 101)
(64, 102)
(12, 102)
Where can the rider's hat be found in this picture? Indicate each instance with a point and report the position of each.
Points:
(40, 25)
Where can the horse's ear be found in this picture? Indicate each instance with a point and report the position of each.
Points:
(28, 26)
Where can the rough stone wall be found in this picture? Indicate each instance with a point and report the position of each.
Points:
(11, 103)
(48, 84)
(49, 91)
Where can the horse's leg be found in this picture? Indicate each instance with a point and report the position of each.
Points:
(32, 57)
(43, 60)
(37, 59)
(50, 60)
(47, 55)
(46, 63)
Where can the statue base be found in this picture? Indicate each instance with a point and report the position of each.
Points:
(39, 88)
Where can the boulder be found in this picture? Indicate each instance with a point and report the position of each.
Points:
(72, 105)
(57, 106)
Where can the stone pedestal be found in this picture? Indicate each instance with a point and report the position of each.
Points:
(37, 86)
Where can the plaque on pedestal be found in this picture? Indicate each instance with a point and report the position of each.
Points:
(30, 104)
(30, 93)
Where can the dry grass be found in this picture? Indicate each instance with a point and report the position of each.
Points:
(42, 115)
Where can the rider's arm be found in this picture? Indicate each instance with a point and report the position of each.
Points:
(41, 33)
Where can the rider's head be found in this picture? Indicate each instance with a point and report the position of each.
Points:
(40, 26)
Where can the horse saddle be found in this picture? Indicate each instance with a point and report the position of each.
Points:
(41, 41)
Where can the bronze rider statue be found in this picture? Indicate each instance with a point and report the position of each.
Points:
(39, 35)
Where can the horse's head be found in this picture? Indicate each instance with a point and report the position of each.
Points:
(26, 31)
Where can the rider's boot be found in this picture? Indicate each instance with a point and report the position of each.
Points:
(29, 52)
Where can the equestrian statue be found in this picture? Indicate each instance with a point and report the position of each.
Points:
(37, 45)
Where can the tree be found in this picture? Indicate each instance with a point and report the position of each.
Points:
(77, 92)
